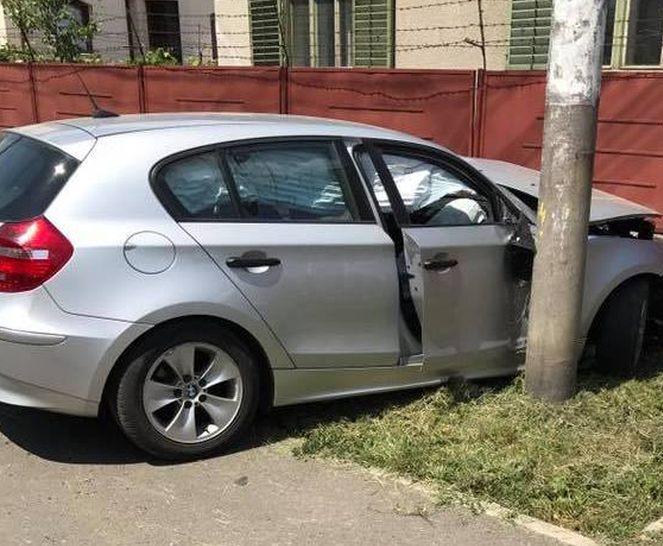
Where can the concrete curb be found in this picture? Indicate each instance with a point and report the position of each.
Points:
(654, 528)
(561, 534)
(534, 525)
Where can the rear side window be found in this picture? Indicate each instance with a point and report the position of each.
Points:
(303, 181)
(198, 188)
(31, 175)
(291, 181)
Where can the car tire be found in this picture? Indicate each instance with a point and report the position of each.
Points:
(622, 329)
(128, 396)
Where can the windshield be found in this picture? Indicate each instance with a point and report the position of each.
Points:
(31, 175)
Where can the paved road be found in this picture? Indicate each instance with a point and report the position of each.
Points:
(69, 481)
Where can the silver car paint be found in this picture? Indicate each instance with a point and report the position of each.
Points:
(327, 272)
(101, 304)
(610, 260)
(605, 206)
(458, 306)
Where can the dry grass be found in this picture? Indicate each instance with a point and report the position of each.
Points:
(593, 464)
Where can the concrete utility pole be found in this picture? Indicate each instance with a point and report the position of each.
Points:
(574, 83)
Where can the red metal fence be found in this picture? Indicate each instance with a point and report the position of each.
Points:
(490, 114)
(629, 152)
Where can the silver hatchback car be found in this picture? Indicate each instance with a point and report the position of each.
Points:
(185, 270)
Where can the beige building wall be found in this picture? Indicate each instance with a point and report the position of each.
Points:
(111, 42)
(8, 33)
(422, 48)
(196, 26)
(233, 32)
(3, 28)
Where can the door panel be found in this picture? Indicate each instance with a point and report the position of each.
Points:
(288, 223)
(333, 298)
(465, 297)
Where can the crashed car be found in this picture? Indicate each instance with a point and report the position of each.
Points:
(185, 270)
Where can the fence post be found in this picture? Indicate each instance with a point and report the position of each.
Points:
(284, 85)
(33, 93)
(142, 99)
(479, 112)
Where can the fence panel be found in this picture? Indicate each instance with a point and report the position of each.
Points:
(432, 104)
(187, 89)
(629, 152)
(60, 89)
(16, 107)
(512, 117)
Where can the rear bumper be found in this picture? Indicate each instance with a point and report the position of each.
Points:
(17, 393)
(54, 360)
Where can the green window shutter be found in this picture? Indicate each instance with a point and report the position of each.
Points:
(374, 33)
(530, 33)
(264, 20)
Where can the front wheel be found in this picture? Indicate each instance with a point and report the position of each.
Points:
(622, 329)
(186, 391)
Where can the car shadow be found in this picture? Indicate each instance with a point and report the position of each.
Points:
(67, 439)
(78, 440)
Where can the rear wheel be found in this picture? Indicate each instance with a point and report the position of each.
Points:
(622, 329)
(186, 392)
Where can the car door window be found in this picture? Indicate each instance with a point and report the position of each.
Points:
(291, 181)
(434, 195)
(375, 182)
(197, 188)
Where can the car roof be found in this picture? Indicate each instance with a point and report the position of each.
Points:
(71, 134)
(100, 127)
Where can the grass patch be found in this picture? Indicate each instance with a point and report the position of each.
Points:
(593, 464)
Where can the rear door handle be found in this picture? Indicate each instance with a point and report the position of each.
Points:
(436, 265)
(237, 262)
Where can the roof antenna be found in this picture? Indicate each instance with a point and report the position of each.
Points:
(97, 112)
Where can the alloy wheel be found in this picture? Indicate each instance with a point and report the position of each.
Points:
(192, 392)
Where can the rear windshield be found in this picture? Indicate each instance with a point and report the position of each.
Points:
(31, 175)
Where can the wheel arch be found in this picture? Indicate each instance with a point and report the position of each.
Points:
(591, 326)
(266, 377)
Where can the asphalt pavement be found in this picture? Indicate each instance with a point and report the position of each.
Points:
(72, 481)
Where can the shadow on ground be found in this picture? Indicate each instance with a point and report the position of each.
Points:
(77, 440)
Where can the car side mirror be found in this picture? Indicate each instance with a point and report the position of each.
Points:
(522, 235)
(520, 250)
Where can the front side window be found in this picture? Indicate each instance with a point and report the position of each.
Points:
(433, 195)
(296, 181)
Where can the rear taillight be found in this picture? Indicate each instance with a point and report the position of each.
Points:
(31, 253)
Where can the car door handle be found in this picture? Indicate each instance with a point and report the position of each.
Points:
(237, 262)
(436, 265)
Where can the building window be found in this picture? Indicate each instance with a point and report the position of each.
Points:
(645, 33)
(299, 30)
(633, 36)
(163, 26)
(81, 12)
(323, 33)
